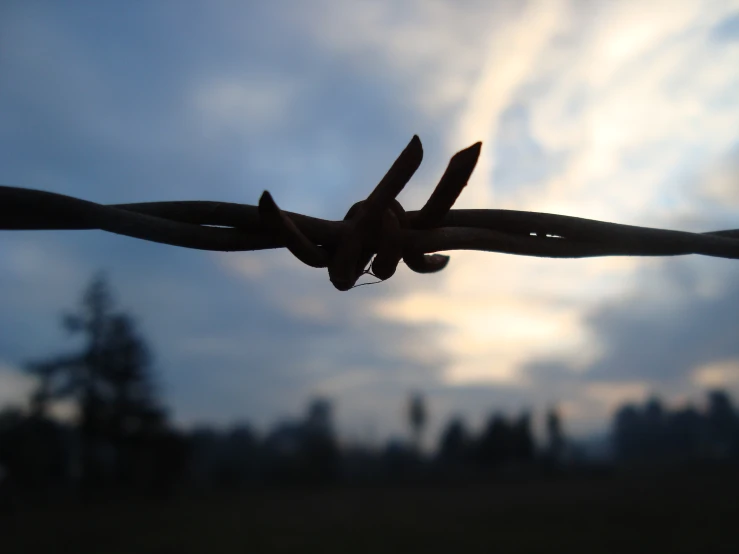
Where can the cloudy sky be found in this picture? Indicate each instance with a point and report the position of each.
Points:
(620, 111)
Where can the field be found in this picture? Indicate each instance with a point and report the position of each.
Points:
(656, 513)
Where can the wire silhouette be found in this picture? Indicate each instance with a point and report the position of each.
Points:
(376, 230)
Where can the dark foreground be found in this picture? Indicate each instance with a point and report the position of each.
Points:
(656, 513)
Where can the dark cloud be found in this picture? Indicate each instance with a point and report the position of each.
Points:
(661, 338)
(100, 105)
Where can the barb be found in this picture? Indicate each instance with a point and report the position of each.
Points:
(377, 227)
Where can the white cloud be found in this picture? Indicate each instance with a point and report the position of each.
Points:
(505, 67)
(589, 408)
(633, 103)
(626, 91)
(15, 386)
(349, 378)
(612, 395)
(490, 334)
(250, 265)
(717, 374)
(247, 105)
(430, 48)
(307, 307)
(64, 410)
(721, 182)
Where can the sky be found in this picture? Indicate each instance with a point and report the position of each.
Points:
(620, 111)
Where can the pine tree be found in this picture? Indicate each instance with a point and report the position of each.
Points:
(109, 379)
(417, 417)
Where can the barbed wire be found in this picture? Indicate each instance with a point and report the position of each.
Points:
(376, 230)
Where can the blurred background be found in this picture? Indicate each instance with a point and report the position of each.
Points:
(131, 366)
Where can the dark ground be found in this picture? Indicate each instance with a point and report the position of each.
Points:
(645, 513)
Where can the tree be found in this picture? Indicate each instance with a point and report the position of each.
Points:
(454, 443)
(522, 439)
(555, 435)
(31, 451)
(655, 434)
(109, 378)
(417, 416)
(628, 431)
(723, 423)
(304, 451)
(495, 443)
(320, 449)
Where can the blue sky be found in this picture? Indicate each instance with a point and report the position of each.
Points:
(623, 111)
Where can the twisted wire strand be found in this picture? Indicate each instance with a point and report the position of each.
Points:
(377, 227)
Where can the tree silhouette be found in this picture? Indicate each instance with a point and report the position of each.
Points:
(494, 444)
(320, 449)
(522, 439)
(109, 379)
(454, 443)
(305, 451)
(555, 435)
(723, 423)
(31, 450)
(417, 417)
(654, 434)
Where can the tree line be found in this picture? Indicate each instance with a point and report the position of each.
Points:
(122, 438)
(652, 433)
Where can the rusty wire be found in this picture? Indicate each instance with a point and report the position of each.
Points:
(376, 230)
